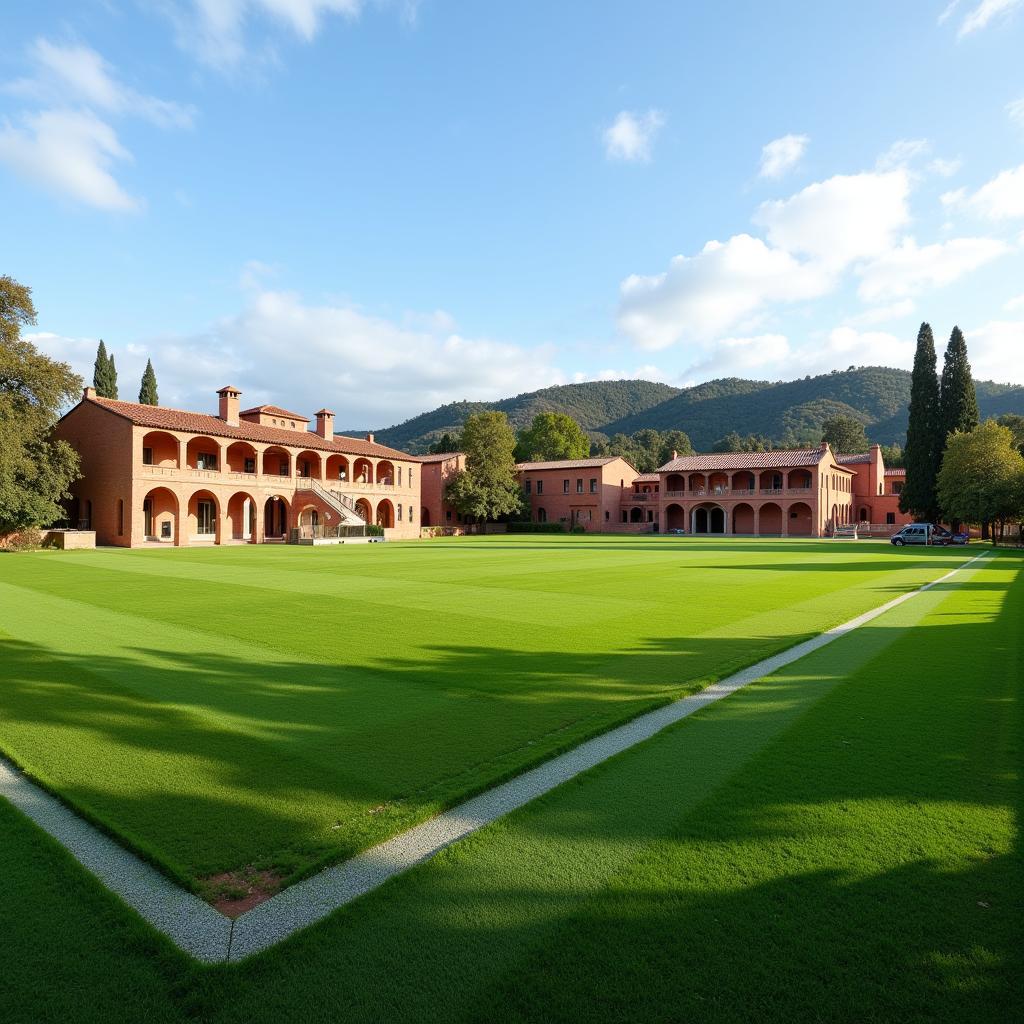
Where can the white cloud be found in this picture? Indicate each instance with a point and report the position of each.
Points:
(883, 314)
(1015, 303)
(75, 74)
(67, 147)
(755, 356)
(69, 152)
(372, 371)
(215, 31)
(1002, 198)
(909, 269)
(1016, 111)
(948, 11)
(994, 350)
(781, 155)
(840, 220)
(945, 168)
(631, 136)
(954, 197)
(710, 293)
(984, 13)
(901, 153)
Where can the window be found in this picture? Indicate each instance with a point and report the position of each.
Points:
(448, 515)
(399, 476)
(607, 515)
(250, 466)
(293, 424)
(542, 515)
(593, 486)
(565, 486)
(528, 486)
(120, 517)
(897, 487)
(890, 518)
(205, 514)
(399, 512)
(410, 513)
(147, 456)
(540, 486)
(206, 460)
(579, 486)
(282, 467)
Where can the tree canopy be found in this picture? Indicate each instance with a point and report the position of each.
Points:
(1015, 424)
(447, 442)
(104, 373)
(35, 471)
(845, 435)
(552, 435)
(488, 487)
(646, 449)
(958, 402)
(147, 389)
(982, 476)
(925, 439)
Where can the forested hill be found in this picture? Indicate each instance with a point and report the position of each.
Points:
(785, 411)
(793, 411)
(591, 404)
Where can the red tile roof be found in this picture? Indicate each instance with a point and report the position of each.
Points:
(161, 418)
(898, 471)
(743, 460)
(436, 457)
(645, 477)
(848, 460)
(273, 410)
(567, 464)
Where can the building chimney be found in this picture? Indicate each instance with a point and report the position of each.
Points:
(675, 455)
(325, 423)
(228, 410)
(369, 437)
(88, 394)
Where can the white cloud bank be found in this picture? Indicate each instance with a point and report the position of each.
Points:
(781, 155)
(372, 371)
(982, 15)
(630, 137)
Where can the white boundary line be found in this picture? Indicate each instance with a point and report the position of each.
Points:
(199, 930)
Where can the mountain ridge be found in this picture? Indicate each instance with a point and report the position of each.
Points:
(782, 410)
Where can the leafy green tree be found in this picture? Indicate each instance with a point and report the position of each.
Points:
(447, 442)
(35, 471)
(925, 439)
(844, 434)
(552, 435)
(958, 402)
(980, 479)
(677, 441)
(488, 488)
(733, 442)
(892, 456)
(1015, 424)
(147, 390)
(104, 374)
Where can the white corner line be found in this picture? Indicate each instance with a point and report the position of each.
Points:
(200, 931)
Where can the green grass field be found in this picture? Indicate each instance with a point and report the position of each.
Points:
(279, 708)
(839, 842)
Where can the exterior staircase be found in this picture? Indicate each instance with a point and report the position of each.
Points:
(340, 503)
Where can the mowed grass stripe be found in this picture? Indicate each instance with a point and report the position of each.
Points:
(217, 726)
(837, 842)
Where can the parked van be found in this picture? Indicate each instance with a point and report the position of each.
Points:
(918, 533)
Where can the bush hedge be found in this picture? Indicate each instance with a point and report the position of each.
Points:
(536, 528)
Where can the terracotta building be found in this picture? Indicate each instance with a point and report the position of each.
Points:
(152, 475)
(577, 492)
(780, 493)
(435, 476)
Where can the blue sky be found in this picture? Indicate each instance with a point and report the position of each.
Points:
(382, 205)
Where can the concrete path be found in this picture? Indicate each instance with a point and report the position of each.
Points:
(199, 930)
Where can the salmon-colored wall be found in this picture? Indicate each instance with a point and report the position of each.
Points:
(436, 477)
(591, 510)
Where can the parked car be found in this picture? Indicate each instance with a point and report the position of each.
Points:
(917, 533)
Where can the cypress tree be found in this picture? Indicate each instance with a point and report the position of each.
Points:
(100, 371)
(925, 439)
(111, 377)
(147, 390)
(959, 403)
